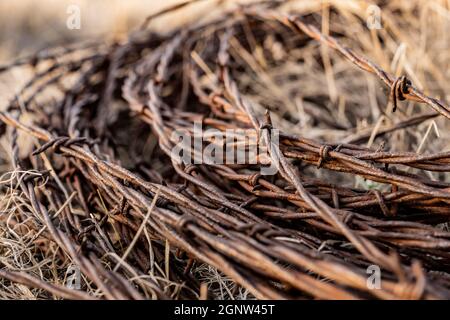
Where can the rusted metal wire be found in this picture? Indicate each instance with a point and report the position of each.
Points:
(278, 236)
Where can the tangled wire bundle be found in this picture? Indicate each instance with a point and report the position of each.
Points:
(138, 224)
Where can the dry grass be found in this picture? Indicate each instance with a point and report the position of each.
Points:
(324, 99)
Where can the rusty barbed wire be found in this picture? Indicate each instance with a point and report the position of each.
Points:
(278, 236)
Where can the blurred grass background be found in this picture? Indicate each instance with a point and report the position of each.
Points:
(29, 25)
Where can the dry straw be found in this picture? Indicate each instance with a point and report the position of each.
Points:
(83, 196)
